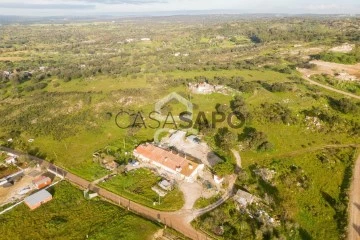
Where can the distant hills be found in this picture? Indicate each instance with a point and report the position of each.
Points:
(225, 14)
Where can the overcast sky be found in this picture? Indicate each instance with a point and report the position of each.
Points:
(91, 7)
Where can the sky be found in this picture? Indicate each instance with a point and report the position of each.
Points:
(99, 7)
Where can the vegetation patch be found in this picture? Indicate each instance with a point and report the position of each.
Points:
(136, 185)
(69, 215)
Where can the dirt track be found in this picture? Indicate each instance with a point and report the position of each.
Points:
(354, 204)
(180, 220)
(331, 88)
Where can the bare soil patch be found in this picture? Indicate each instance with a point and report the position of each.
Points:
(334, 69)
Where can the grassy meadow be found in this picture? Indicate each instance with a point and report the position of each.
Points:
(70, 216)
(64, 90)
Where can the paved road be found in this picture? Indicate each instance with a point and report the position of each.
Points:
(354, 204)
(331, 88)
(176, 220)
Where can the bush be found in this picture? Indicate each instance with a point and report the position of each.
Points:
(29, 89)
(343, 105)
(344, 58)
(224, 168)
(40, 85)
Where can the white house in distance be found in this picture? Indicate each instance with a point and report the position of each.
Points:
(202, 88)
(168, 161)
(11, 159)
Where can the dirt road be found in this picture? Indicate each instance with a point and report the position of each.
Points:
(180, 220)
(354, 204)
(238, 159)
(331, 89)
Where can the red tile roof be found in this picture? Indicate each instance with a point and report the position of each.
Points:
(42, 182)
(167, 158)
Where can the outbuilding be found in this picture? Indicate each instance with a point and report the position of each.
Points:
(42, 182)
(37, 199)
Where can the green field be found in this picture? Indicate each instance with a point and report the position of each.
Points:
(70, 216)
(136, 185)
(308, 191)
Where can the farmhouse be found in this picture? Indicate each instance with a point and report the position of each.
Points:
(169, 161)
(37, 199)
(192, 146)
(41, 182)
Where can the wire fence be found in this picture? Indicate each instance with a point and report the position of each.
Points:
(169, 219)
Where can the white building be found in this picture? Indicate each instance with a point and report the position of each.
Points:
(168, 161)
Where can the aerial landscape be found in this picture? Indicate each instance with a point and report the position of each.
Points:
(188, 125)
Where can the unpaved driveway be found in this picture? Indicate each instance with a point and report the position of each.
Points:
(237, 157)
(354, 204)
(192, 191)
(10, 193)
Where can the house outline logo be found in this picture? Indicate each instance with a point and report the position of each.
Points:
(159, 104)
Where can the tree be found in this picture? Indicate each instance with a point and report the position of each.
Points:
(239, 108)
(266, 146)
(225, 139)
(343, 105)
(222, 108)
(254, 139)
(224, 168)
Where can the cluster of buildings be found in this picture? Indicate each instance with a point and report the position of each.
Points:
(9, 165)
(169, 160)
(11, 159)
(192, 146)
(206, 88)
(37, 199)
(183, 157)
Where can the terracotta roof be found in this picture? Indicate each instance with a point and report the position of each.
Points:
(167, 158)
(42, 180)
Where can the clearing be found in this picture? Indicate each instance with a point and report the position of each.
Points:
(332, 68)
